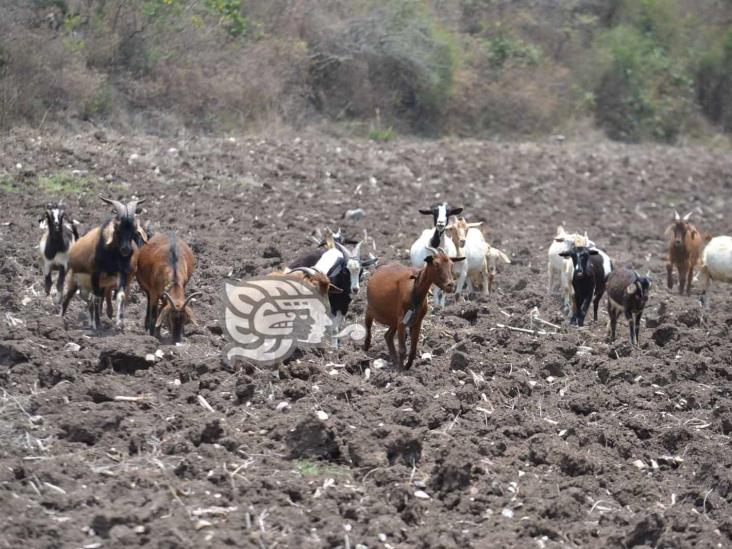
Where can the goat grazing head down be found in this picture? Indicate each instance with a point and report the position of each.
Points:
(679, 229)
(176, 317)
(318, 280)
(580, 257)
(124, 226)
(441, 213)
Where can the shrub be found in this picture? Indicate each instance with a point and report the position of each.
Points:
(645, 89)
(714, 82)
(396, 58)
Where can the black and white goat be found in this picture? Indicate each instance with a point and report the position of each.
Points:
(588, 281)
(60, 233)
(434, 238)
(344, 268)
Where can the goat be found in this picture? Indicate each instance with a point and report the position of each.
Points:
(164, 267)
(716, 264)
(103, 258)
(434, 238)
(627, 294)
(470, 243)
(54, 247)
(588, 281)
(493, 257)
(324, 243)
(319, 282)
(560, 269)
(344, 268)
(684, 249)
(397, 297)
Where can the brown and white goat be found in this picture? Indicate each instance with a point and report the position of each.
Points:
(103, 259)
(164, 267)
(481, 260)
(397, 298)
(684, 251)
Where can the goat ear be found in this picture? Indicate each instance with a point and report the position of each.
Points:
(630, 290)
(457, 259)
(429, 259)
(693, 234)
(594, 252)
(472, 225)
(425, 211)
(191, 317)
(565, 254)
(164, 313)
(370, 261)
(455, 211)
(108, 233)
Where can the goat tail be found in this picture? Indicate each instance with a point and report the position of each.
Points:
(356, 332)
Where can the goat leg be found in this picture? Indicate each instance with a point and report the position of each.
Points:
(389, 337)
(59, 285)
(402, 341)
(689, 277)
(669, 275)
(413, 340)
(368, 322)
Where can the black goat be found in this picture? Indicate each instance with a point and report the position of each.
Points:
(588, 281)
(627, 293)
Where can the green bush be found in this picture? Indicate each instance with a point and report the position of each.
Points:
(645, 90)
(714, 82)
(395, 57)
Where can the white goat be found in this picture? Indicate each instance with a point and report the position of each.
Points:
(432, 238)
(716, 264)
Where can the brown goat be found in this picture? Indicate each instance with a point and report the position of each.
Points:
(103, 259)
(315, 279)
(164, 268)
(397, 297)
(684, 250)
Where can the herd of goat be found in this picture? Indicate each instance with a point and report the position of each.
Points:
(101, 264)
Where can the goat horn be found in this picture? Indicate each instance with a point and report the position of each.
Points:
(432, 250)
(357, 250)
(116, 203)
(342, 249)
(194, 294)
(132, 206)
(687, 216)
(677, 217)
(169, 299)
(307, 270)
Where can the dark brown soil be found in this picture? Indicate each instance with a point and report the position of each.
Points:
(518, 440)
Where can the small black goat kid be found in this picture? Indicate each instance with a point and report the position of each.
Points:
(627, 294)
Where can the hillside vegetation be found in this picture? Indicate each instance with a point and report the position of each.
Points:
(638, 70)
